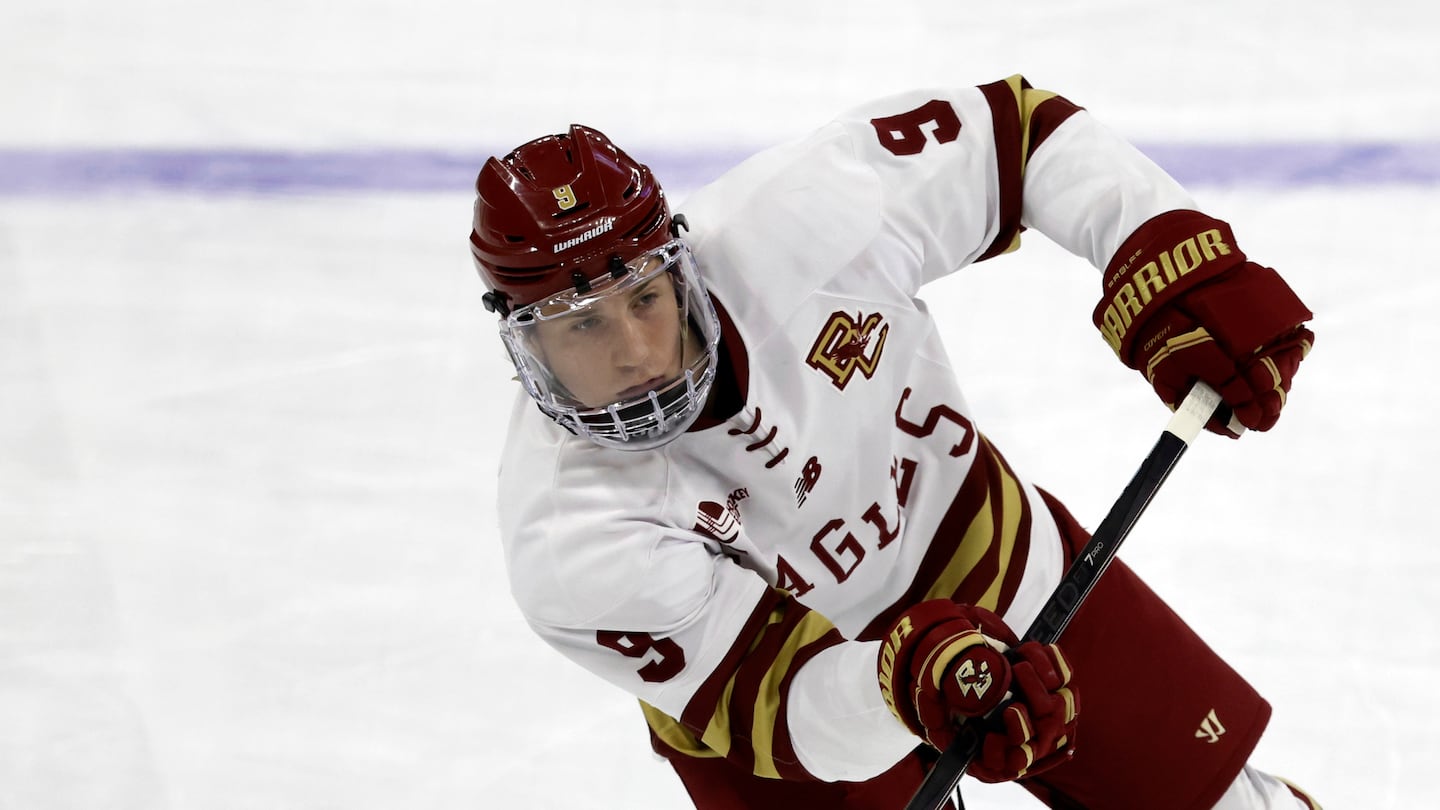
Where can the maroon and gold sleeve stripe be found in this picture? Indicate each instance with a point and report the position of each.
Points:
(739, 712)
(1024, 117)
(978, 554)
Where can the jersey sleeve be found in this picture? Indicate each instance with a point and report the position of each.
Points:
(712, 652)
(963, 173)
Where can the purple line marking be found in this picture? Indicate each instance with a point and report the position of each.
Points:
(1293, 165)
(81, 172)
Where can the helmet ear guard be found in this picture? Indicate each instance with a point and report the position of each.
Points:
(497, 302)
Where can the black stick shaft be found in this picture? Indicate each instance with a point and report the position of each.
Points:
(1083, 573)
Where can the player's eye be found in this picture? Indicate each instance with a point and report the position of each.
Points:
(586, 324)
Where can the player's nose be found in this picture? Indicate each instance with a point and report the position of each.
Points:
(630, 347)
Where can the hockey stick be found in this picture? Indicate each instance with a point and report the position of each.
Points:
(1089, 564)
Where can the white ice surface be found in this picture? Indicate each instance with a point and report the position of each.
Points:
(248, 443)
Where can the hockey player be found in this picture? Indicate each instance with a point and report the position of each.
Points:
(753, 495)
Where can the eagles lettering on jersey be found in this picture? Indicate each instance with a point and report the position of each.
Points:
(846, 478)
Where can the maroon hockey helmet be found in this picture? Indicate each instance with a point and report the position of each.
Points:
(551, 214)
(565, 226)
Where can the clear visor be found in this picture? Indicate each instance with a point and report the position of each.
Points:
(625, 359)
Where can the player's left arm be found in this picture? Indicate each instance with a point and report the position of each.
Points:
(1181, 301)
(790, 700)
(722, 662)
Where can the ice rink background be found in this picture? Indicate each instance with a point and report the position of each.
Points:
(250, 404)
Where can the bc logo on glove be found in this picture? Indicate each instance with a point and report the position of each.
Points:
(970, 679)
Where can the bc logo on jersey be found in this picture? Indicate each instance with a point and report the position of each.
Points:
(848, 344)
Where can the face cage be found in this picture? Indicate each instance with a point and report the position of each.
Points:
(638, 423)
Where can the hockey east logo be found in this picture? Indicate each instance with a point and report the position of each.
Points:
(721, 521)
(848, 344)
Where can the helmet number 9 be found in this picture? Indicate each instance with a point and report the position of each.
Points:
(668, 658)
(564, 197)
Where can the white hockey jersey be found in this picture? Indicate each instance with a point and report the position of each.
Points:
(735, 580)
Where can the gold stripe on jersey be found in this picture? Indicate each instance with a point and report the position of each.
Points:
(739, 712)
(978, 552)
(1012, 509)
(770, 693)
(1027, 100)
(674, 735)
(1023, 118)
(986, 538)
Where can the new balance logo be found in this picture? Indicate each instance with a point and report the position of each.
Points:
(1210, 728)
(809, 476)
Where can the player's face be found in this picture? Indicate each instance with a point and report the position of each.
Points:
(620, 347)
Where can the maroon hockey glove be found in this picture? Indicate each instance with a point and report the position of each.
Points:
(1182, 303)
(943, 664)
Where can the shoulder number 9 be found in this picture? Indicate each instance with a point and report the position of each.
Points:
(905, 134)
(668, 659)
